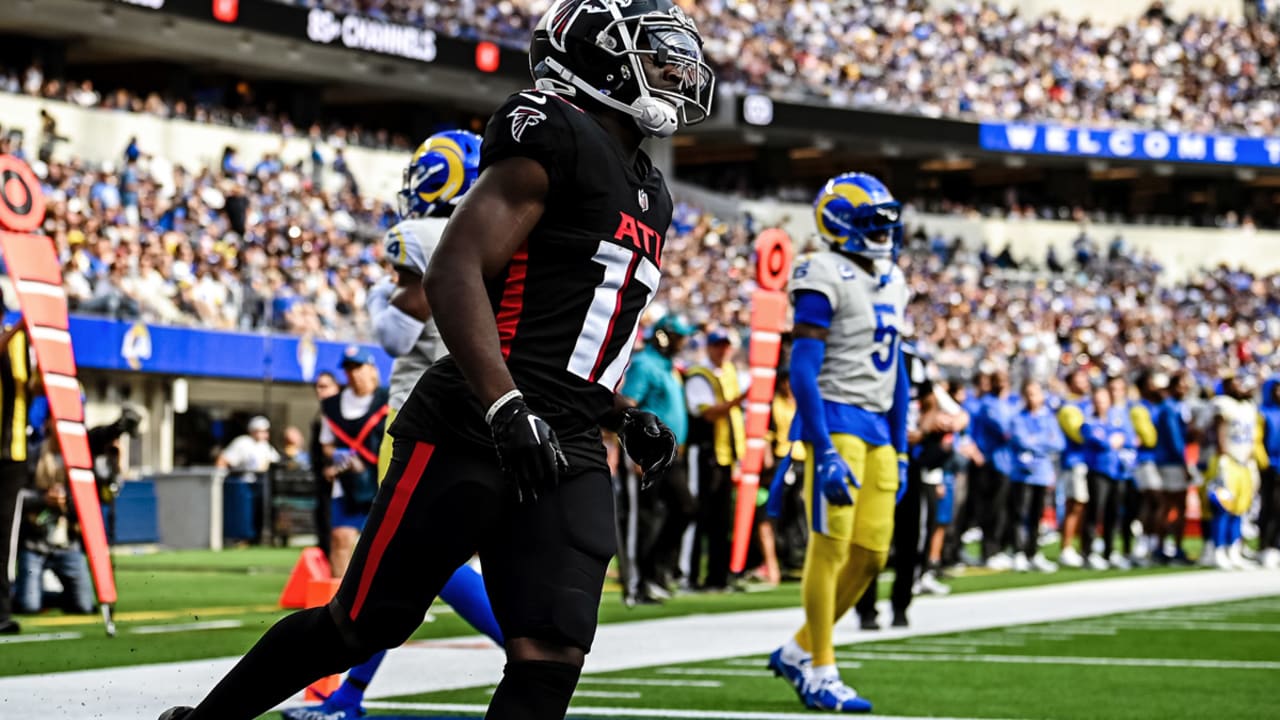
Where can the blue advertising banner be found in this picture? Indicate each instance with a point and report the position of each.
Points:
(1152, 145)
(107, 344)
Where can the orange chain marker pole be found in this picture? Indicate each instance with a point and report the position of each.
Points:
(36, 273)
(768, 317)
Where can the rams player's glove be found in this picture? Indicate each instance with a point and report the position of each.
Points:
(528, 450)
(777, 490)
(833, 476)
(902, 480)
(649, 443)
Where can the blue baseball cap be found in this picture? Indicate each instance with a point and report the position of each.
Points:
(718, 336)
(355, 355)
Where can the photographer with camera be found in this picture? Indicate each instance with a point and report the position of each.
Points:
(49, 534)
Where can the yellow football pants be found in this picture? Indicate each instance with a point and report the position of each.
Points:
(384, 450)
(848, 544)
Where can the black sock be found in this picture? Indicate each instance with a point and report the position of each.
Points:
(297, 651)
(534, 690)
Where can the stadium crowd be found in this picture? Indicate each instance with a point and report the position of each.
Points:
(260, 246)
(1193, 73)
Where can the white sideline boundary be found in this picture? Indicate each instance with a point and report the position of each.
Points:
(635, 712)
(141, 692)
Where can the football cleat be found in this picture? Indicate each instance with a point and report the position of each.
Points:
(1043, 564)
(1021, 563)
(832, 694)
(1070, 557)
(176, 713)
(795, 673)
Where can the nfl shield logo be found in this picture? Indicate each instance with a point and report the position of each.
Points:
(644, 201)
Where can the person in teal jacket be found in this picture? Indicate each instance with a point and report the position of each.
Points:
(652, 524)
(1269, 517)
(1036, 439)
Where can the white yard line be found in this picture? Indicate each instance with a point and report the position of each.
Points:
(1059, 660)
(186, 627)
(624, 712)
(39, 638)
(650, 682)
(1137, 623)
(138, 692)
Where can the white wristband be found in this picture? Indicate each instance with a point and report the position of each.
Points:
(497, 404)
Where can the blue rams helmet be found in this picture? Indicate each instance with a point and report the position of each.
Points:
(444, 167)
(856, 213)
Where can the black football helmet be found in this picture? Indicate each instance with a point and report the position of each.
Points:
(639, 57)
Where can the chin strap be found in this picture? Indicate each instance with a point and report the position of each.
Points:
(654, 117)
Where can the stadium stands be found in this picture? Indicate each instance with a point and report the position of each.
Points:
(1193, 73)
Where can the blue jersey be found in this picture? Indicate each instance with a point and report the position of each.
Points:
(994, 430)
(1098, 433)
(1145, 412)
(1127, 456)
(1171, 432)
(1036, 439)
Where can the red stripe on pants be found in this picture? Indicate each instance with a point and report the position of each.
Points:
(405, 485)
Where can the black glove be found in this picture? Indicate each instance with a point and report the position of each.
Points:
(528, 450)
(648, 443)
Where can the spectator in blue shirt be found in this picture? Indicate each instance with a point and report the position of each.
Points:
(1173, 423)
(993, 433)
(1106, 435)
(1036, 440)
(653, 523)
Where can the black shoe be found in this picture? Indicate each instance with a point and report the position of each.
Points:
(176, 713)
(869, 623)
(10, 627)
(900, 620)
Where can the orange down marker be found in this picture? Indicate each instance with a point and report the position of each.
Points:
(768, 317)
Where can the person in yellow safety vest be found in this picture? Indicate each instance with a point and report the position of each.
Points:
(717, 438)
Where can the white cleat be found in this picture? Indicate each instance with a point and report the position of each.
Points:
(1271, 559)
(1119, 562)
(1021, 563)
(1000, 561)
(1208, 556)
(1222, 559)
(1070, 558)
(1043, 564)
(931, 585)
(1097, 562)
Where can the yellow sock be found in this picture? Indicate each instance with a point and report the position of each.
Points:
(823, 561)
(856, 575)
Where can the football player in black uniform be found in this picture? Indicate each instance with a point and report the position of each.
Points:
(538, 286)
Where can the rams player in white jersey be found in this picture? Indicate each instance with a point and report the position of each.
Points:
(1233, 472)
(442, 169)
(847, 377)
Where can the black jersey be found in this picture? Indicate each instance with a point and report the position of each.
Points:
(569, 302)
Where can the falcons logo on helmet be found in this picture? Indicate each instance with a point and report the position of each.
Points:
(523, 118)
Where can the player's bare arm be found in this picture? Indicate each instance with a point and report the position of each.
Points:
(488, 227)
(410, 296)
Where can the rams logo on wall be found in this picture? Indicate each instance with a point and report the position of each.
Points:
(136, 346)
(307, 357)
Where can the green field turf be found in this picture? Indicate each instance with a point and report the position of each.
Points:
(1219, 660)
(189, 605)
